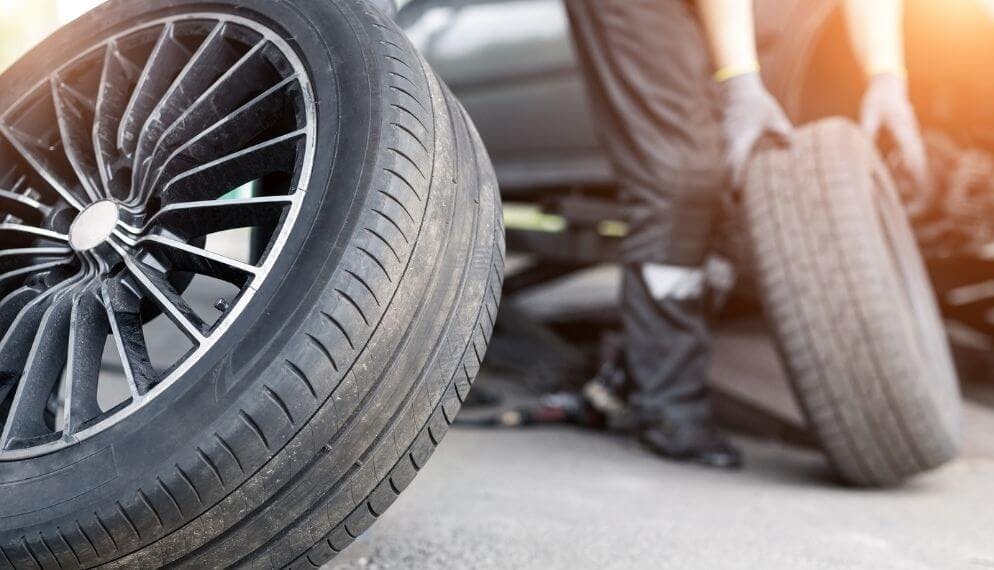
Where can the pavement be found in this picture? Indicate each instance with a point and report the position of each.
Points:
(561, 497)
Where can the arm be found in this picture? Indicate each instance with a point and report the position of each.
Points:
(750, 112)
(731, 33)
(875, 29)
(877, 35)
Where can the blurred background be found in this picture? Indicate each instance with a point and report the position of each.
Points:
(26, 22)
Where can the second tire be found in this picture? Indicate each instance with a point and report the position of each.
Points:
(848, 297)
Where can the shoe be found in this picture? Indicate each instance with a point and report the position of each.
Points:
(695, 442)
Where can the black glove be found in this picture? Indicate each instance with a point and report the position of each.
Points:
(886, 106)
(750, 114)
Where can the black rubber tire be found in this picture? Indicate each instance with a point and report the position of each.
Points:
(310, 417)
(851, 305)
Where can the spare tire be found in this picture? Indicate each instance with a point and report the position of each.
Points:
(846, 292)
(271, 422)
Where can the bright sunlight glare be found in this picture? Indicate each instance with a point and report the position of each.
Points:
(24, 23)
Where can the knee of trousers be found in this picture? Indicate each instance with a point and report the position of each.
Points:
(674, 207)
(670, 234)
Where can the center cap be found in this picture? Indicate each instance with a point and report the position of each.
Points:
(93, 226)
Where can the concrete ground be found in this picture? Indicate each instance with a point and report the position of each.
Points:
(567, 498)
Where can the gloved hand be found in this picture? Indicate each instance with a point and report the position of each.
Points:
(886, 105)
(750, 114)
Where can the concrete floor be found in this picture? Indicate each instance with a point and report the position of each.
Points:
(570, 498)
(563, 498)
(554, 498)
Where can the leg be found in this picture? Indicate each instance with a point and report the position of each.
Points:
(666, 343)
(649, 74)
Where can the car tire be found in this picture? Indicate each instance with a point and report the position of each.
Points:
(849, 301)
(317, 403)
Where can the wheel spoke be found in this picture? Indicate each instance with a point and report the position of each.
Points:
(218, 177)
(75, 124)
(16, 342)
(165, 296)
(19, 337)
(124, 315)
(42, 370)
(13, 304)
(39, 158)
(214, 56)
(196, 219)
(88, 330)
(12, 258)
(11, 234)
(23, 208)
(231, 91)
(167, 59)
(229, 134)
(13, 279)
(185, 257)
(116, 80)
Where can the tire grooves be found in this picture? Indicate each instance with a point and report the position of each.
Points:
(278, 402)
(402, 406)
(901, 434)
(169, 495)
(833, 249)
(771, 204)
(227, 449)
(365, 286)
(323, 350)
(151, 508)
(299, 374)
(394, 224)
(252, 425)
(882, 379)
(334, 322)
(210, 465)
(495, 277)
(65, 542)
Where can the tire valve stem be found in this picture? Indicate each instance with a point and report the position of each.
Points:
(222, 305)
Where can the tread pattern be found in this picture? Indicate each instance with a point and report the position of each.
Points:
(834, 290)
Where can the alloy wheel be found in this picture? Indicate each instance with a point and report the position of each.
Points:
(159, 167)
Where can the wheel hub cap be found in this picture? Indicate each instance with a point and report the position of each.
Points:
(94, 226)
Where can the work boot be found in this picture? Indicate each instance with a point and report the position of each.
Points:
(696, 442)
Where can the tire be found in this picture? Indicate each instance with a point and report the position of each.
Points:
(848, 298)
(329, 383)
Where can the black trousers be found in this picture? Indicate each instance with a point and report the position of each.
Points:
(649, 74)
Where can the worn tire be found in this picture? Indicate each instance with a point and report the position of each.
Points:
(846, 292)
(314, 412)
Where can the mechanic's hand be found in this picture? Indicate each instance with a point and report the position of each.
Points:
(750, 114)
(886, 106)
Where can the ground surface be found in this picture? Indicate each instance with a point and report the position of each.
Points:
(565, 498)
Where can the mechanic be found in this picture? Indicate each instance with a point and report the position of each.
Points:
(678, 94)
